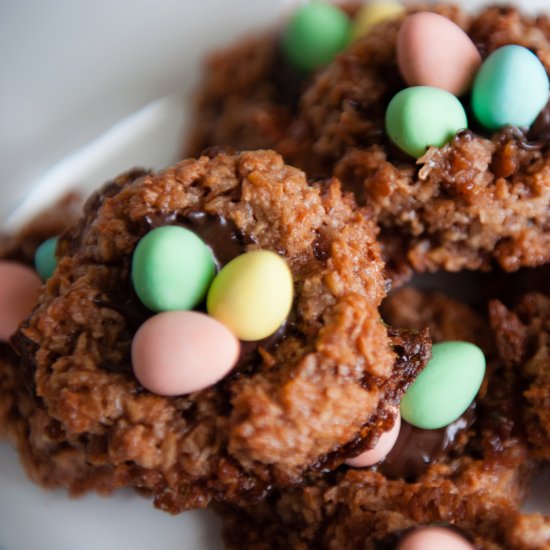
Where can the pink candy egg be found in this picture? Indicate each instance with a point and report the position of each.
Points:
(434, 51)
(19, 286)
(178, 352)
(434, 538)
(382, 448)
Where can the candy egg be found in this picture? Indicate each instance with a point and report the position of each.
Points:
(382, 448)
(511, 88)
(434, 538)
(434, 51)
(373, 13)
(172, 269)
(178, 352)
(314, 35)
(446, 387)
(19, 286)
(252, 294)
(420, 117)
(45, 261)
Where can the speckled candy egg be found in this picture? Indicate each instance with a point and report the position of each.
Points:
(19, 286)
(179, 352)
(434, 51)
(511, 88)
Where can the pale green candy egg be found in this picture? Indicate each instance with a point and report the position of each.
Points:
(172, 269)
(511, 88)
(446, 387)
(421, 117)
(314, 34)
(252, 295)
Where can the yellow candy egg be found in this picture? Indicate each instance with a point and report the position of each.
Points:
(373, 13)
(252, 295)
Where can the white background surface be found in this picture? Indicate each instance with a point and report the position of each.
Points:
(70, 71)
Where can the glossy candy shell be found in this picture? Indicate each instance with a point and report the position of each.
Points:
(314, 34)
(511, 88)
(446, 387)
(252, 295)
(19, 286)
(434, 538)
(420, 117)
(45, 261)
(172, 269)
(382, 448)
(434, 51)
(180, 352)
(374, 13)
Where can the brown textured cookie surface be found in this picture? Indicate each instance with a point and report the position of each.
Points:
(478, 201)
(293, 404)
(20, 247)
(475, 483)
(9, 363)
(364, 510)
(523, 338)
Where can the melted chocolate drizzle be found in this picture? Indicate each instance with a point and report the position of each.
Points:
(540, 130)
(416, 448)
(250, 350)
(219, 234)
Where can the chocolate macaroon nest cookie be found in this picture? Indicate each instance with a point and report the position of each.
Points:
(523, 337)
(318, 390)
(476, 200)
(465, 482)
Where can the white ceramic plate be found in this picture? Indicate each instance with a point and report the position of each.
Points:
(89, 90)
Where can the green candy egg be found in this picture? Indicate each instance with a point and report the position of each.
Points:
(446, 387)
(172, 269)
(314, 35)
(422, 116)
(511, 88)
(45, 261)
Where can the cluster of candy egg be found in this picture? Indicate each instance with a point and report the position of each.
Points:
(20, 286)
(178, 350)
(318, 30)
(441, 394)
(440, 63)
(437, 60)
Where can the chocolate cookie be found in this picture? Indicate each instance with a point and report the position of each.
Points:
(17, 407)
(297, 403)
(522, 335)
(365, 510)
(478, 201)
(473, 481)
